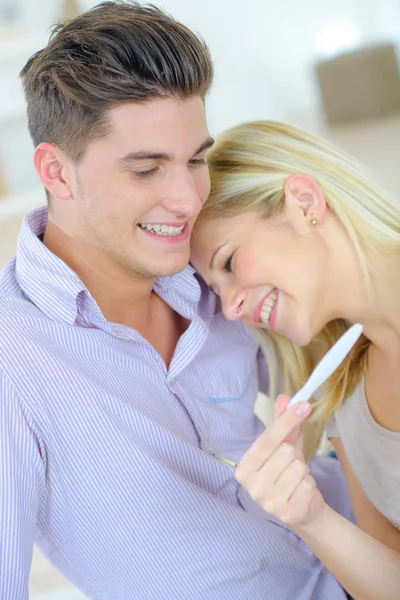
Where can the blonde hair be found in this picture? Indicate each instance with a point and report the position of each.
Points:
(249, 165)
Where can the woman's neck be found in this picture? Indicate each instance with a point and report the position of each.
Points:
(377, 305)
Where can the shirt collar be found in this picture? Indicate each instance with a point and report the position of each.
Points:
(47, 281)
(184, 283)
(54, 287)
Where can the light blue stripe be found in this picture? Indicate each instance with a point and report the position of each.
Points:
(235, 399)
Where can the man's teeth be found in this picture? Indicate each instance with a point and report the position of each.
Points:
(165, 230)
(267, 307)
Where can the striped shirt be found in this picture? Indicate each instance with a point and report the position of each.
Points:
(108, 458)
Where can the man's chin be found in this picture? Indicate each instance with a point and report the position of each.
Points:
(174, 270)
(171, 267)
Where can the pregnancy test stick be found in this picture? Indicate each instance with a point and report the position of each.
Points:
(328, 364)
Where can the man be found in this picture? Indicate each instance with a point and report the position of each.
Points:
(124, 392)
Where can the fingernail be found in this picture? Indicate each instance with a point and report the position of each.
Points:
(303, 409)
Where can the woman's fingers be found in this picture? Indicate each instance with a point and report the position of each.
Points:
(272, 470)
(293, 498)
(291, 478)
(264, 447)
(281, 404)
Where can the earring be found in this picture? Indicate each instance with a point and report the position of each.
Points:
(314, 222)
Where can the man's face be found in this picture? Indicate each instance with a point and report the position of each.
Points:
(138, 190)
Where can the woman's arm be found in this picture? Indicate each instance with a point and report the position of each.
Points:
(367, 516)
(365, 567)
(277, 477)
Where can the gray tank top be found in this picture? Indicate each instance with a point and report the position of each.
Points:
(373, 453)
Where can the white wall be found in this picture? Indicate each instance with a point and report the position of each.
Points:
(264, 52)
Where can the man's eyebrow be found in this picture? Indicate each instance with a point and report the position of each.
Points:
(149, 155)
(205, 146)
(143, 155)
(211, 265)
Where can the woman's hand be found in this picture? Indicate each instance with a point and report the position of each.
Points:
(275, 473)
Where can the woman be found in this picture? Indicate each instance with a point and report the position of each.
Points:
(298, 241)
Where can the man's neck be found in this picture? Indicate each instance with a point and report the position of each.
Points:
(122, 296)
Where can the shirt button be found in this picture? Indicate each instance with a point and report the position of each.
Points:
(172, 383)
(93, 309)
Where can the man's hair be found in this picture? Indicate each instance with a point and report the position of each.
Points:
(115, 53)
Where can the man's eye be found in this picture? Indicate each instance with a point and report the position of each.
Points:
(228, 264)
(147, 173)
(198, 161)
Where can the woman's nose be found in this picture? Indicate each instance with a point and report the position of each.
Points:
(233, 304)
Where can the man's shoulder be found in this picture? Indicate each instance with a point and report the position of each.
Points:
(15, 307)
(9, 287)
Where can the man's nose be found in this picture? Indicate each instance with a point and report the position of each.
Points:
(182, 197)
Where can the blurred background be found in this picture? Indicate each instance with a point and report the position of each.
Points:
(330, 66)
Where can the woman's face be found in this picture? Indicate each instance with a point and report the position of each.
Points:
(268, 273)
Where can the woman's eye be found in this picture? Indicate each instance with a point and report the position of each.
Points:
(228, 264)
(147, 173)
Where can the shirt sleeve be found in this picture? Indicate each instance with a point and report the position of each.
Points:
(332, 430)
(21, 480)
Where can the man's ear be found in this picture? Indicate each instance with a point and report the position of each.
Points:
(305, 202)
(52, 166)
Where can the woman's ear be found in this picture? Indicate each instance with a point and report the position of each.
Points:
(305, 202)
